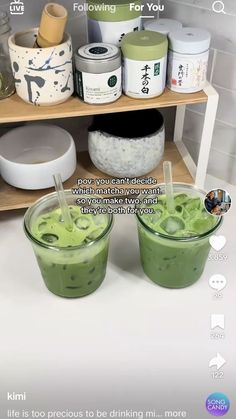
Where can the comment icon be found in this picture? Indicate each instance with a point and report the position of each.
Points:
(217, 282)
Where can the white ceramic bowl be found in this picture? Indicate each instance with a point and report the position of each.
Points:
(32, 154)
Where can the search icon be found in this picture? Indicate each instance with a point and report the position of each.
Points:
(218, 6)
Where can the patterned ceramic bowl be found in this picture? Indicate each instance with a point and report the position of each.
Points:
(43, 76)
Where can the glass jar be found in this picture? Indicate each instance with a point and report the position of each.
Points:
(7, 83)
(69, 269)
(174, 251)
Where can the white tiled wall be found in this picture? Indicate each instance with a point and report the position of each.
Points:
(229, 5)
(222, 73)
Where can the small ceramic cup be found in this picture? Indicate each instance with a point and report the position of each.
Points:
(43, 76)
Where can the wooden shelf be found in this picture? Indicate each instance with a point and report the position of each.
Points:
(14, 109)
(12, 198)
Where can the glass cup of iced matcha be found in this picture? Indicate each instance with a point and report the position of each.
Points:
(174, 247)
(72, 263)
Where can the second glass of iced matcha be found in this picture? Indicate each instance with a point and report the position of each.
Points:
(72, 263)
(174, 247)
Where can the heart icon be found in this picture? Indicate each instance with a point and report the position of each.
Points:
(217, 242)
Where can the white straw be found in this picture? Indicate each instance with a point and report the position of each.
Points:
(167, 169)
(62, 202)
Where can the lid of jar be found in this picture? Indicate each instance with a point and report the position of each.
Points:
(144, 45)
(163, 25)
(97, 58)
(189, 40)
(114, 10)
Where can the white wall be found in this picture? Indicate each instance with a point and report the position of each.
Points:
(222, 74)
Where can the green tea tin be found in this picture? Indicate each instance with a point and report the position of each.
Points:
(144, 64)
(110, 20)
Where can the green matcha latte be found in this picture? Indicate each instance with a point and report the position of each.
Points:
(174, 247)
(72, 263)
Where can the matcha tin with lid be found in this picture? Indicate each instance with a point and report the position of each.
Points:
(188, 59)
(144, 64)
(98, 73)
(110, 20)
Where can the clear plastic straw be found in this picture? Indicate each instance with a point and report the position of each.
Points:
(167, 169)
(62, 202)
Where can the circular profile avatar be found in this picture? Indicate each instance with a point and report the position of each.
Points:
(217, 202)
(217, 404)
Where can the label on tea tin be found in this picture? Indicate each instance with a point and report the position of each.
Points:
(111, 32)
(144, 78)
(187, 73)
(99, 88)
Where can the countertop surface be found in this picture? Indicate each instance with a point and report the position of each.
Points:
(130, 345)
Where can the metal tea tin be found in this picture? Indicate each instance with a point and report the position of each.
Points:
(98, 73)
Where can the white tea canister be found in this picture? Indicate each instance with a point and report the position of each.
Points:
(164, 26)
(98, 73)
(110, 20)
(144, 64)
(43, 76)
(188, 59)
